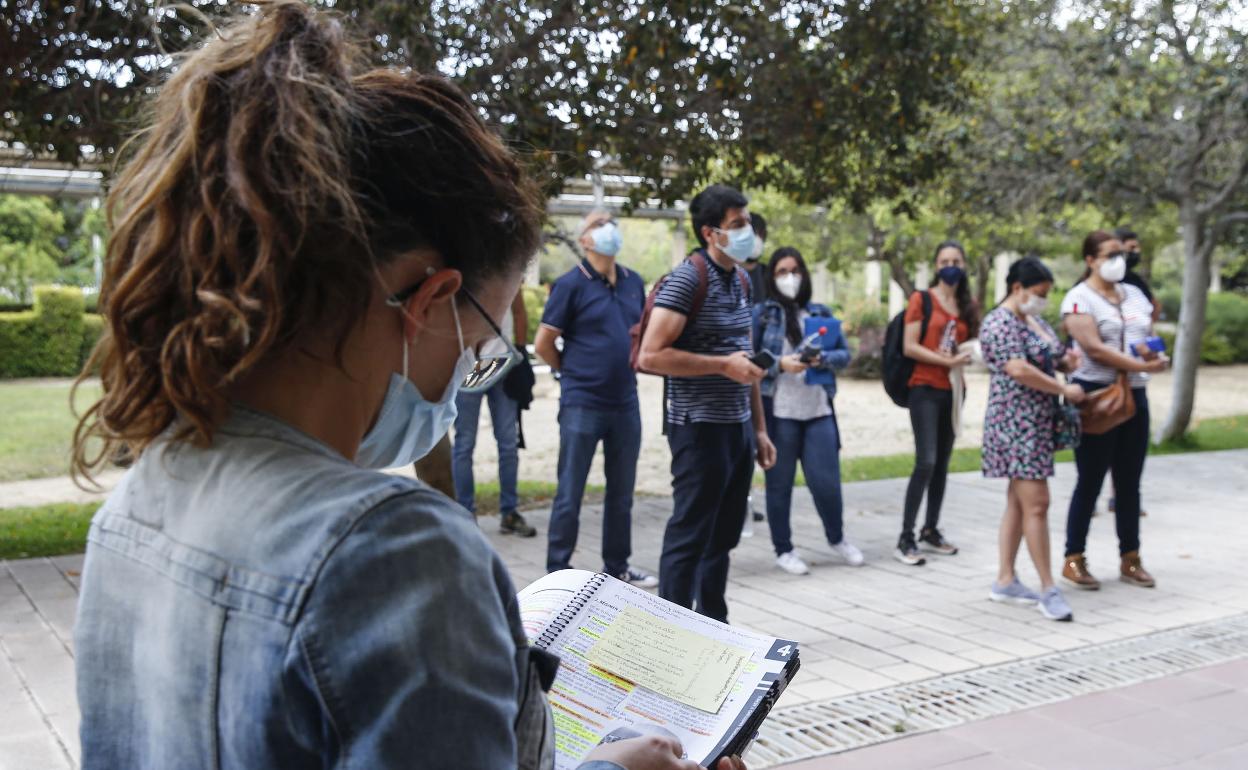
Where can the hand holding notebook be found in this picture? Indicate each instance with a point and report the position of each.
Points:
(634, 664)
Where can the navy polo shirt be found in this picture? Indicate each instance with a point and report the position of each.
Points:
(594, 319)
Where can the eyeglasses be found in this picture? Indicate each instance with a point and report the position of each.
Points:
(492, 359)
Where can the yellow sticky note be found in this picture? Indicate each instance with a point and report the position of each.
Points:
(674, 662)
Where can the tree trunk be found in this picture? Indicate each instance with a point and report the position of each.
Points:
(898, 272)
(983, 266)
(1196, 257)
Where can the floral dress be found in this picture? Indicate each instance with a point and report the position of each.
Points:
(1018, 427)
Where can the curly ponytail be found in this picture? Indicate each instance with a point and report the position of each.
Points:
(273, 178)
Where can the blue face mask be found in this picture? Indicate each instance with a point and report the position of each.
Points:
(740, 243)
(607, 239)
(408, 426)
(951, 275)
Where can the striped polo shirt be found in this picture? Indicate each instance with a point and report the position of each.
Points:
(722, 326)
(1134, 310)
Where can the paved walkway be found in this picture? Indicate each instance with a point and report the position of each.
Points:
(861, 629)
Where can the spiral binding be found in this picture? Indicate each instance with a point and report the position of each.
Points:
(569, 613)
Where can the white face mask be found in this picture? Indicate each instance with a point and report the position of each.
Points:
(409, 426)
(758, 247)
(1033, 304)
(1114, 270)
(789, 284)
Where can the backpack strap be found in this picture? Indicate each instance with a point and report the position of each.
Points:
(699, 294)
(927, 314)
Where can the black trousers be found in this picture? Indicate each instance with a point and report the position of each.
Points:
(1120, 451)
(712, 467)
(931, 416)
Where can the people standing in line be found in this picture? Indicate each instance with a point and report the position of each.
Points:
(1109, 321)
(505, 421)
(254, 593)
(801, 418)
(953, 320)
(1023, 355)
(713, 402)
(593, 306)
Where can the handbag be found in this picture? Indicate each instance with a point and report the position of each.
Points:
(1106, 408)
(1067, 425)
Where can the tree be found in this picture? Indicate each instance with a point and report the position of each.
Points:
(819, 98)
(1128, 105)
(29, 228)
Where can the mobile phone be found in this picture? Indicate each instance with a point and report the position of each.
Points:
(763, 359)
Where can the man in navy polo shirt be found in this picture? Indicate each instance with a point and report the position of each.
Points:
(714, 412)
(592, 307)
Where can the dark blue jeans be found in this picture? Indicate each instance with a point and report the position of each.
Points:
(580, 430)
(503, 412)
(817, 444)
(712, 466)
(1120, 451)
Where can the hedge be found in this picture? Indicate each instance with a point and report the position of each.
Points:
(53, 339)
(1225, 340)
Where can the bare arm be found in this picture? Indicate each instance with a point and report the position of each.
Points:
(520, 320)
(544, 344)
(913, 349)
(658, 355)
(1083, 328)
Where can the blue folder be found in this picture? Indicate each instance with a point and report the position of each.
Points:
(821, 376)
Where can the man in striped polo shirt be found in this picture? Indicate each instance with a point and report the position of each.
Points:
(714, 410)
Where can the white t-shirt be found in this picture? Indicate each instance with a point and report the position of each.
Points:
(1134, 310)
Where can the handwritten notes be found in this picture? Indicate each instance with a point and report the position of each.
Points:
(679, 664)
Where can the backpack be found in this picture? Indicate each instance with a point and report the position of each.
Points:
(699, 296)
(897, 367)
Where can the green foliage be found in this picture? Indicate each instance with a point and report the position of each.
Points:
(47, 341)
(29, 227)
(534, 301)
(1171, 300)
(862, 313)
(1225, 339)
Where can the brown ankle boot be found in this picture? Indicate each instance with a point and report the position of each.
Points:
(1075, 571)
(1133, 571)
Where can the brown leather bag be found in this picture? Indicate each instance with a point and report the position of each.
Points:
(1106, 408)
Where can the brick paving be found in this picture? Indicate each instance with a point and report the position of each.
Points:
(861, 629)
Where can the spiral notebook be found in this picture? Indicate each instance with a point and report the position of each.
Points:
(634, 664)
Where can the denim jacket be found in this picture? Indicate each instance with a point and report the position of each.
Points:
(265, 603)
(769, 335)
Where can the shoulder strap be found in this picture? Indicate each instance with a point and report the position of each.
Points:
(746, 286)
(699, 294)
(927, 314)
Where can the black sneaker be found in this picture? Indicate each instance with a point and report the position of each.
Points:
(514, 524)
(639, 578)
(758, 516)
(933, 541)
(907, 552)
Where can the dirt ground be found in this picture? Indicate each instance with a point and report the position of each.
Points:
(870, 423)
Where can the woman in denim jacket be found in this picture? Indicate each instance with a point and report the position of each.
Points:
(800, 415)
(307, 262)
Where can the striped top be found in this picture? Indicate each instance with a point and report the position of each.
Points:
(722, 326)
(1137, 312)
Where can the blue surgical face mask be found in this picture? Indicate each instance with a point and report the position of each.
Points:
(951, 275)
(607, 239)
(408, 426)
(740, 243)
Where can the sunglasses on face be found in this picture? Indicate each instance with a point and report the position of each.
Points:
(493, 357)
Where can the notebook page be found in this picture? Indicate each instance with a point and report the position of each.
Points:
(542, 600)
(590, 703)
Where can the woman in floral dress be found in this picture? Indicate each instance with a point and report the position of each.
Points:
(1023, 353)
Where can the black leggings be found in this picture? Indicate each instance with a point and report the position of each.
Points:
(931, 416)
(1120, 451)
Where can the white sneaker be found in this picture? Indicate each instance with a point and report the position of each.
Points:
(791, 563)
(849, 552)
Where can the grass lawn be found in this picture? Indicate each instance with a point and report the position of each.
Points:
(37, 428)
(51, 530)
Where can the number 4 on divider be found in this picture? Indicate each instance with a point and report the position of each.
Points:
(782, 649)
